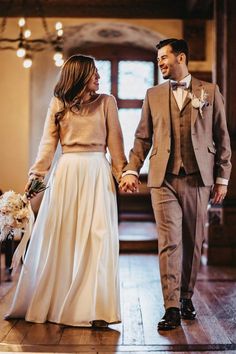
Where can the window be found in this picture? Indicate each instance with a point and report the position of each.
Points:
(134, 78)
(126, 73)
(104, 70)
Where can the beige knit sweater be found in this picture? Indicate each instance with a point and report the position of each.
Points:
(95, 127)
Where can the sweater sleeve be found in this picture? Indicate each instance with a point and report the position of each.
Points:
(115, 142)
(48, 143)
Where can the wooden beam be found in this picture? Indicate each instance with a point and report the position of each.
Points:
(104, 8)
(225, 71)
(201, 9)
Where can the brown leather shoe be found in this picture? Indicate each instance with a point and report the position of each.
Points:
(170, 320)
(187, 309)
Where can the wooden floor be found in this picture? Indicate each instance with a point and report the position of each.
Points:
(214, 330)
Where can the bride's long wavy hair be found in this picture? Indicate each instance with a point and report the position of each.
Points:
(70, 89)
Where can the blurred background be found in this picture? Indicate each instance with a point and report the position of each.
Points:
(37, 35)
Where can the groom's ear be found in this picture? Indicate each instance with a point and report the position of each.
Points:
(182, 58)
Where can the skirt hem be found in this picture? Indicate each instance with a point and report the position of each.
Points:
(87, 324)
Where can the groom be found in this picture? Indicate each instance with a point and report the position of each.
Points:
(183, 121)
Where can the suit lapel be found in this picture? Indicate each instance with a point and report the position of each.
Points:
(165, 104)
(196, 91)
(186, 102)
(161, 100)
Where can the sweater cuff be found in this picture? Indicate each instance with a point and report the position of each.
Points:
(130, 172)
(35, 176)
(220, 180)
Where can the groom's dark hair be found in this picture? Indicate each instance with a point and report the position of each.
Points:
(178, 46)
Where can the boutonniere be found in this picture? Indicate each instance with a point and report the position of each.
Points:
(199, 102)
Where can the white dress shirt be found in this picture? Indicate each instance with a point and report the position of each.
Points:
(181, 93)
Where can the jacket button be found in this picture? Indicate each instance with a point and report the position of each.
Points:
(168, 150)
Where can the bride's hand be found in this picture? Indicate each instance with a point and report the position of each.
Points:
(31, 195)
(129, 183)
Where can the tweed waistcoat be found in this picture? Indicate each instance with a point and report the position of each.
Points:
(182, 153)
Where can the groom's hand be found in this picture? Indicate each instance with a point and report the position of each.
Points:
(129, 183)
(218, 193)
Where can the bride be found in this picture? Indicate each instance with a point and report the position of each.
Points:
(70, 273)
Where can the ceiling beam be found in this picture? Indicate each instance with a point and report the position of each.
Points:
(159, 9)
(201, 9)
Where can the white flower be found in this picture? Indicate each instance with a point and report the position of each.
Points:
(199, 102)
(14, 214)
(195, 102)
(15, 210)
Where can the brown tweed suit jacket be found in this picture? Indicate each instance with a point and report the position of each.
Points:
(209, 134)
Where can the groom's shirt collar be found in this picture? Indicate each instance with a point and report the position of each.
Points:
(186, 79)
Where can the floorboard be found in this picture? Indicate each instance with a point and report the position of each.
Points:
(214, 330)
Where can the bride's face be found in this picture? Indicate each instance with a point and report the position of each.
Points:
(93, 84)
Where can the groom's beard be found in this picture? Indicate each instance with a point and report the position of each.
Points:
(166, 77)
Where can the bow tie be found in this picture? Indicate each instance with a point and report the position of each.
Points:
(175, 85)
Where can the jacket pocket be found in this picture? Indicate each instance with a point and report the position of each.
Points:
(211, 149)
(154, 152)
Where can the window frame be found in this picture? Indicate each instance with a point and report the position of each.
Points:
(115, 54)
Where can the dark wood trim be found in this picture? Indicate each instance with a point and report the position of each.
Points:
(129, 103)
(138, 246)
(220, 15)
(231, 67)
(152, 9)
(114, 77)
(114, 52)
(195, 34)
(196, 8)
(203, 75)
(225, 70)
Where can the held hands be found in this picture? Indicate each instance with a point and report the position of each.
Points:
(219, 192)
(129, 183)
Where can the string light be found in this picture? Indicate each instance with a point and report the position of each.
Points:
(59, 62)
(58, 26)
(27, 63)
(57, 56)
(21, 52)
(27, 33)
(21, 22)
(27, 46)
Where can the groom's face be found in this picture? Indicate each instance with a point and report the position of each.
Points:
(168, 62)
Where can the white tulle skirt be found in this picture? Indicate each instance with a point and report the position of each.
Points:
(70, 274)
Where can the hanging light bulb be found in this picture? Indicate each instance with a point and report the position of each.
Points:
(59, 29)
(58, 26)
(27, 33)
(21, 22)
(21, 52)
(58, 56)
(59, 62)
(60, 33)
(27, 63)
(24, 45)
